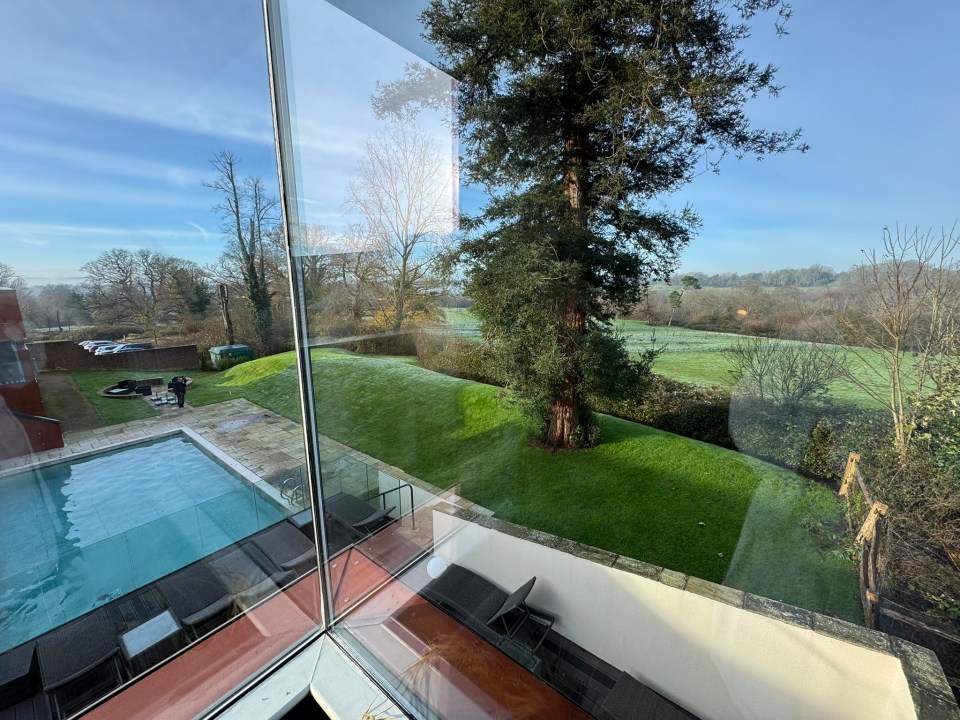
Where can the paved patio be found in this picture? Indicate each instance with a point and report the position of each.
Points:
(262, 441)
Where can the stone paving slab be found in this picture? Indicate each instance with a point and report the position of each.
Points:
(266, 444)
(280, 449)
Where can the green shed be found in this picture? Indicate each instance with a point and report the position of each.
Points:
(223, 356)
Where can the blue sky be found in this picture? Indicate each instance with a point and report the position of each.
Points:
(111, 110)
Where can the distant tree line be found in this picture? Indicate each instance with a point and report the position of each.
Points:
(382, 275)
(812, 276)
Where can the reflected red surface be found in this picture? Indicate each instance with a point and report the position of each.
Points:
(442, 663)
(195, 680)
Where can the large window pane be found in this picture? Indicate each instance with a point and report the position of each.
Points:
(155, 524)
(484, 551)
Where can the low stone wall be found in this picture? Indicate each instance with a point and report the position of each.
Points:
(717, 651)
(67, 355)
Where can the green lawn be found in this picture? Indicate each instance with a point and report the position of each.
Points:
(641, 493)
(699, 356)
(113, 410)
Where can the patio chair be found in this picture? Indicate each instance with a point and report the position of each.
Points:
(32, 708)
(477, 602)
(355, 513)
(249, 574)
(197, 597)
(79, 662)
(18, 674)
(287, 547)
(630, 699)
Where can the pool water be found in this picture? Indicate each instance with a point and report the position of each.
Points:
(80, 533)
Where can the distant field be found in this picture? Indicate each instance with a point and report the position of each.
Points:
(694, 356)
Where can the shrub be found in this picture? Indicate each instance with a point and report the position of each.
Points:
(818, 459)
(814, 440)
(455, 356)
(398, 344)
(682, 408)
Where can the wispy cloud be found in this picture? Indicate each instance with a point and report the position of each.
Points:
(35, 232)
(176, 64)
(68, 159)
(114, 195)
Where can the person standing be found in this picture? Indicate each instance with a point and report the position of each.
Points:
(179, 387)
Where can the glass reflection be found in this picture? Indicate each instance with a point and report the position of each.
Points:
(139, 217)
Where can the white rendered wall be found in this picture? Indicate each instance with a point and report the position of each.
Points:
(718, 661)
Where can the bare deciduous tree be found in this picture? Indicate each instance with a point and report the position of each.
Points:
(403, 193)
(784, 372)
(248, 215)
(142, 286)
(907, 323)
(689, 282)
(56, 305)
(10, 279)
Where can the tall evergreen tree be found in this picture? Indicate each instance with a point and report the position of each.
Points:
(575, 115)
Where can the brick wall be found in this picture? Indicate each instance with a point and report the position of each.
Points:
(24, 434)
(24, 397)
(66, 355)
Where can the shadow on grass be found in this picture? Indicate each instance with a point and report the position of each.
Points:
(789, 549)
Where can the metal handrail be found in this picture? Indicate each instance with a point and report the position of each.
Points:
(28, 416)
(383, 501)
(298, 490)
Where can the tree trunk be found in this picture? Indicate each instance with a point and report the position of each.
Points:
(564, 415)
(225, 311)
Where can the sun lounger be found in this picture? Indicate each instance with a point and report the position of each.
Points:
(17, 673)
(79, 662)
(287, 547)
(197, 597)
(476, 602)
(356, 513)
(249, 574)
(32, 708)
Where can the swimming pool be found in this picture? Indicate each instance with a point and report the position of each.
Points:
(80, 533)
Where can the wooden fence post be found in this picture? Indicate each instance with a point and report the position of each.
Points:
(849, 474)
(869, 527)
(869, 542)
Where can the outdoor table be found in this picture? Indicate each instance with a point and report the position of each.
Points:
(151, 642)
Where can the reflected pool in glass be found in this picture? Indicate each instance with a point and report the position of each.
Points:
(78, 534)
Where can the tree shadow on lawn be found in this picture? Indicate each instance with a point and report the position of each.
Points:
(790, 549)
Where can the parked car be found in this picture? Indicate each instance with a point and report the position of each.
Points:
(104, 349)
(92, 345)
(124, 347)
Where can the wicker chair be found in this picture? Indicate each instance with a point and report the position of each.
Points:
(79, 662)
